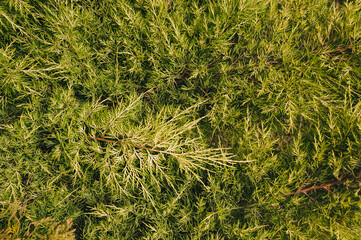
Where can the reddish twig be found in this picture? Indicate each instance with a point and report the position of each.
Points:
(240, 56)
(10, 118)
(103, 139)
(234, 62)
(308, 178)
(209, 64)
(203, 91)
(183, 74)
(119, 142)
(338, 49)
(148, 149)
(220, 54)
(325, 186)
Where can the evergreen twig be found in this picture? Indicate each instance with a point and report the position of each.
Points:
(325, 186)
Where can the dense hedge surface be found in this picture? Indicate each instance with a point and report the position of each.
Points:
(174, 119)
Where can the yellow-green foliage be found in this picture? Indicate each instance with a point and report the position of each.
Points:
(174, 119)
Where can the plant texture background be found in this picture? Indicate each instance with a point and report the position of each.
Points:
(157, 119)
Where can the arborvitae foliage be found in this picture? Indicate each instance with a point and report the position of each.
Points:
(174, 119)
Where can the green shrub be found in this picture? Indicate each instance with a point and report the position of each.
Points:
(180, 119)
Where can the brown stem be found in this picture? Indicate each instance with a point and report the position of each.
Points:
(209, 64)
(203, 91)
(119, 142)
(325, 186)
(183, 74)
(339, 49)
(10, 118)
(102, 139)
(240, 56)
(148, 149)
(220, 54)
(234, 62)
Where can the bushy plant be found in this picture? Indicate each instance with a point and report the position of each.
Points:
(180, 119)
